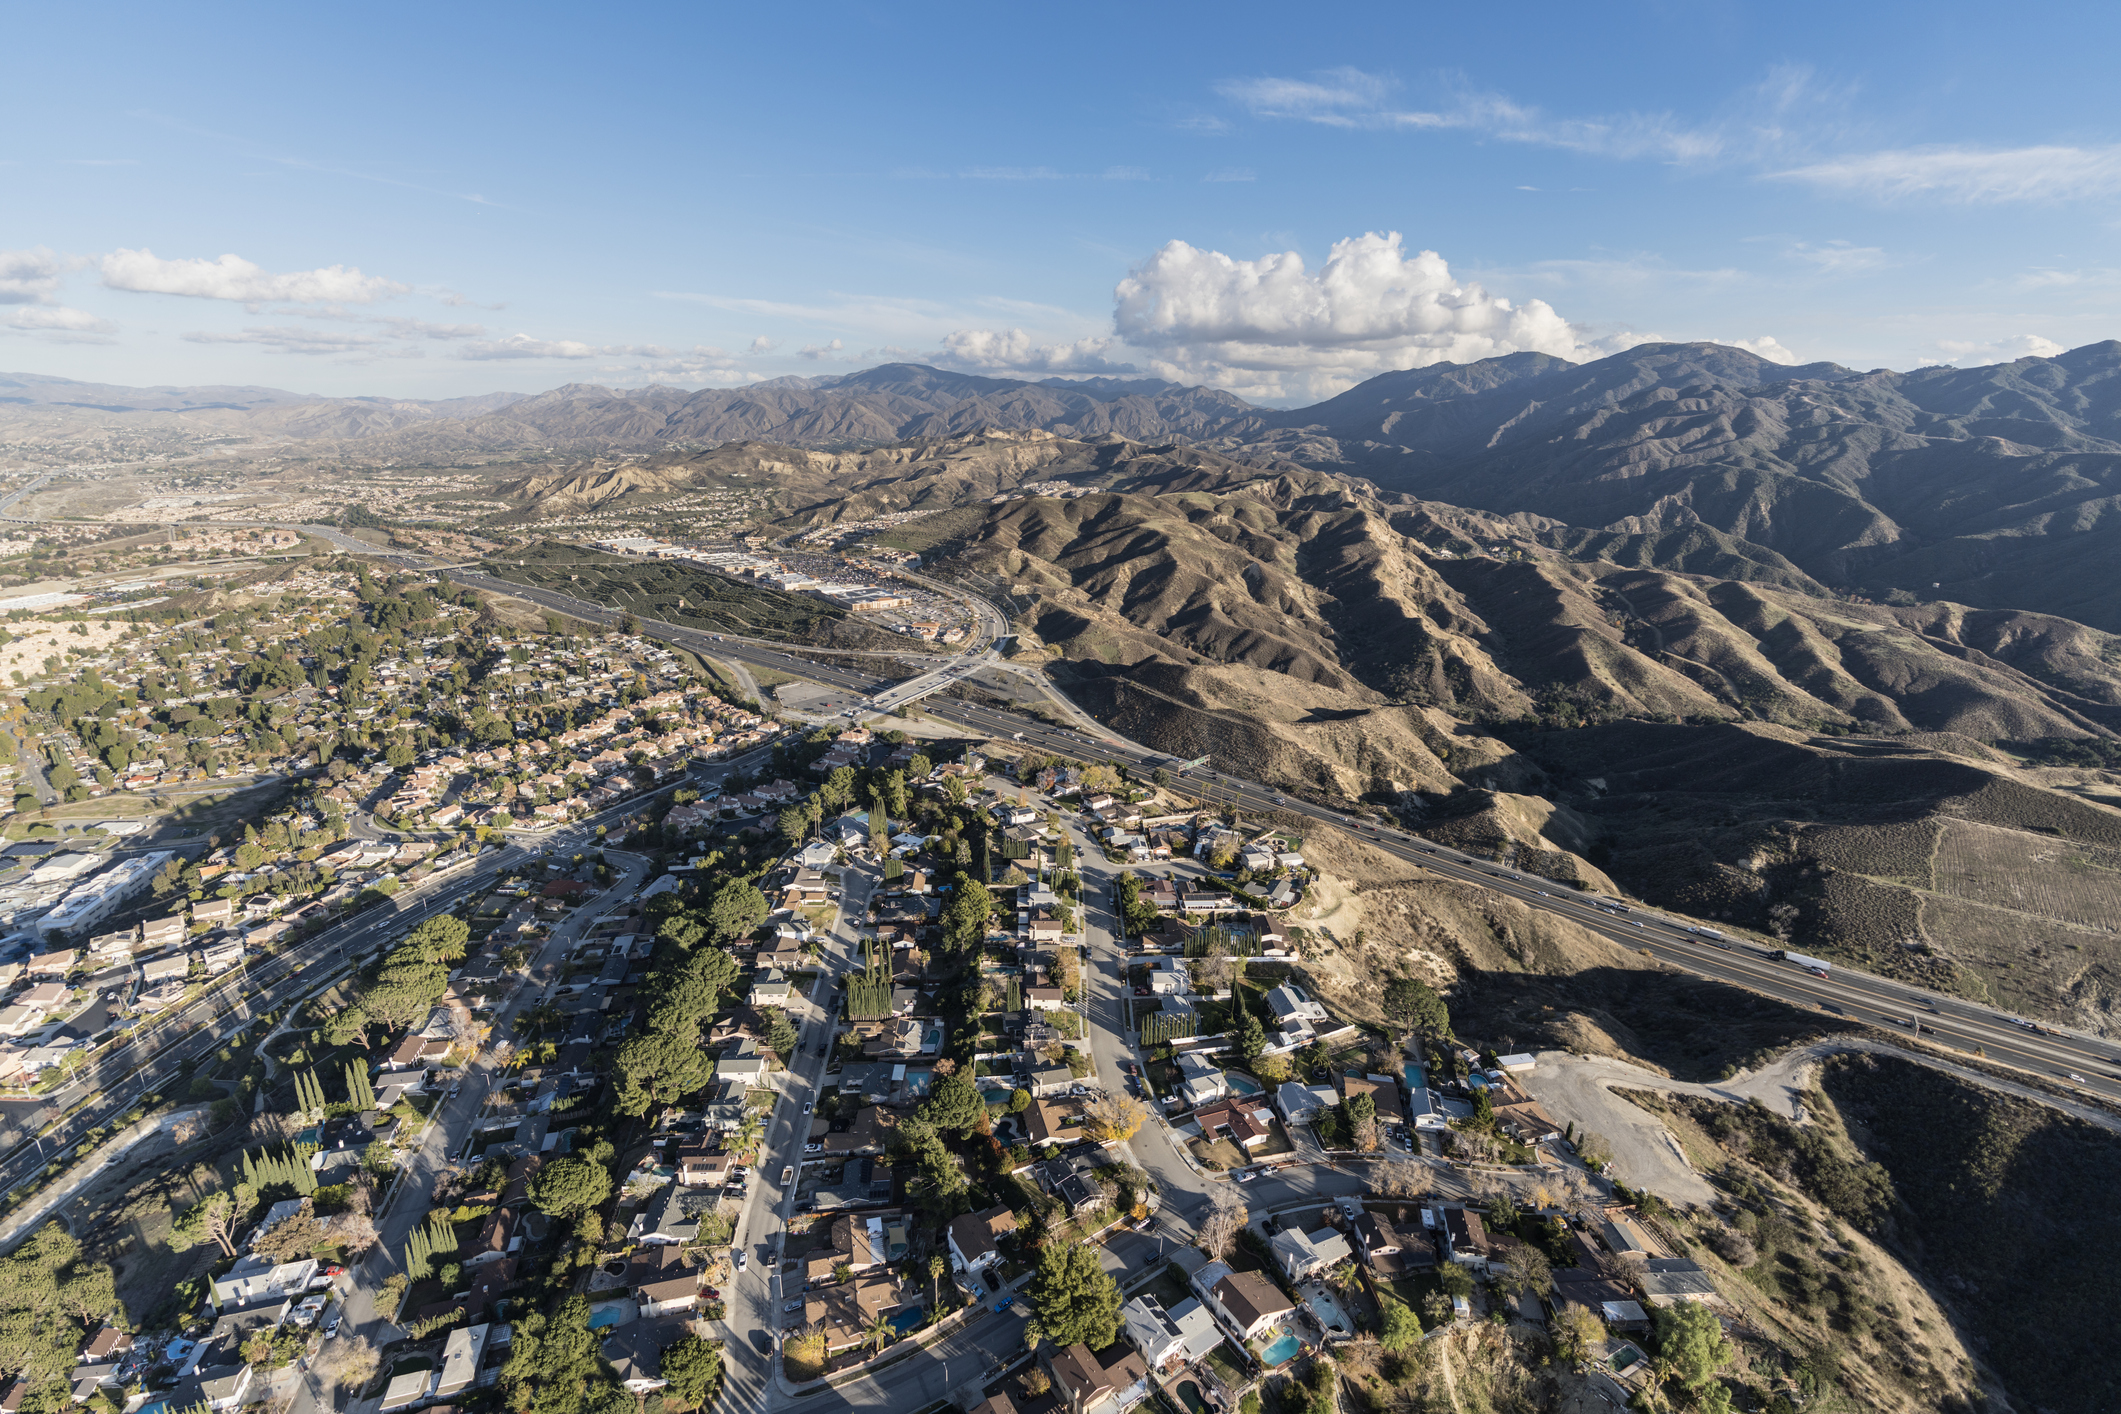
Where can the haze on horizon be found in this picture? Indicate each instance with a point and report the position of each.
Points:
(443, 203)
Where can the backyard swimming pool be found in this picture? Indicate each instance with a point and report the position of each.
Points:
(1244, 1084)
(1282, 1351)
(908, 1320)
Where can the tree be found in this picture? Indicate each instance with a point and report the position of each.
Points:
(692, 1367)
(1113, 1117)
(1402, 1328)
(1692, 1339)
(1455, 1280)
(1076, 1301)
(937, 1265)
(1526, 1269)
(735, 910)
(1361, 1112)
(573, 1183)
(1577, 1332)
(954, 1104)
(879, 1332)
(1415, 1005)
(293, 1238)
(215, 1218)
(658, 1067)
(1251, 1038)
(795, 825)
(1225, 1218)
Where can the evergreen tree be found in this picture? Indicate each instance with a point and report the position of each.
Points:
(358, 1091)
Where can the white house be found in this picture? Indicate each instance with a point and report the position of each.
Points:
(461, 1355)
(1246, 1303)
(972, 1238)
(1306, 1254)
(1200, 1082)
(1181, 1335)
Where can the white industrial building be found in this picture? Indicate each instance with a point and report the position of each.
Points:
(93, 900)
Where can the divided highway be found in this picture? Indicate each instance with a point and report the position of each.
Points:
(2086, 1064)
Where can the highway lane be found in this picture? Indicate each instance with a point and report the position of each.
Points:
(2057, 1055)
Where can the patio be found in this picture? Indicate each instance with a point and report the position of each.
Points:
(1327, 1310)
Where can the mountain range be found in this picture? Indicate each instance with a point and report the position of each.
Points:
(1995, 487)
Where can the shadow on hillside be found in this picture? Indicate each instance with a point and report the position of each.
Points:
(1691, 1027)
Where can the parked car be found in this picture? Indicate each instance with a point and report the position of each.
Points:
(791, 1308)
(331, 1328)
(740, 1259)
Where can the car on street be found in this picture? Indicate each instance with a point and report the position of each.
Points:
(1247, 1175)
(806, 1106)
(740, 1259)
(791, 1308)
(331, 1328)
(813, 1148)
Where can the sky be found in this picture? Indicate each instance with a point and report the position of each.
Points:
(436, 201)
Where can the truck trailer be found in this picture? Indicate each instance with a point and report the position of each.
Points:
(1812, 965)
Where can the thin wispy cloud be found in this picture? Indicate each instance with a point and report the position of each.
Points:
(1976, 176)
(1353, 98)
(1839, 257)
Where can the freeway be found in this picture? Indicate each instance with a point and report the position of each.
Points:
(2090, 1065)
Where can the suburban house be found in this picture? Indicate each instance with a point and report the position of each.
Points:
(1087, 1387)
(1299, 1020)
(742, 1062)
(1383, 1092)
(859, 1244)
(661, 1281)
(1247, 1121)
(636, 1357)
(1301, 1104)
(1465, 1239)
(1179, 1336)
(1387, 1251)
(461, 1357)
(1054, 1122)
(1669, 1280)
(1623, 1238)
(257, 1278)
(972, 1238)
(1200, 1081)
(1247, 1303)
(1303, 1255)
(843, 1312)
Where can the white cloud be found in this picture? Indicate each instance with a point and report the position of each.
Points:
(1764, 346)
(1971, 353)
(814, 352)
(1839, 257)
(761, 345)
(1352, 98)
(233, 278)
(524, 346)
(1974, 175)
(1274, 328)
(1015, 351)
(291, 339)
(29, 276)
(57, 319)
(421, 329)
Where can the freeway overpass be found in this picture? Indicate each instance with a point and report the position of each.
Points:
(1856, 996)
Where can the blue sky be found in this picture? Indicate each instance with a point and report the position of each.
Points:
(440, 200)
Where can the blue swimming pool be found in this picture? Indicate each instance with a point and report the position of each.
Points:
(907, 1321)
(608, 1316)
(1244, 1084)
(1282, 1351)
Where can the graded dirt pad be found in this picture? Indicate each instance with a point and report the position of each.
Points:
(40, 639)
(1789, 1247)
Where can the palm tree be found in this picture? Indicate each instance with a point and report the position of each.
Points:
(749, 1132)
(936, 1266)
(878, 1333)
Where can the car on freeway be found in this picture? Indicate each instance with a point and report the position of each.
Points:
(2076, 1077)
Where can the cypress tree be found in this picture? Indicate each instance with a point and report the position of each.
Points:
(250, 1171)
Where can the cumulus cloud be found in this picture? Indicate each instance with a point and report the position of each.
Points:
(1275, 328)
(1973, 353)
(29, 276)
(233, 278)
(1012, 350)
(291, 339)
(762, 345)
(524, 346)
(1764, 346)
(1980, 176)
(814, 352)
